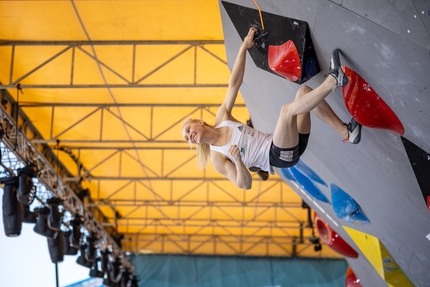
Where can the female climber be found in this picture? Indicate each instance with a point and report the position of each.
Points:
(235, 148)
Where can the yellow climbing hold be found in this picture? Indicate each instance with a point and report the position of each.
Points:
(375, 252)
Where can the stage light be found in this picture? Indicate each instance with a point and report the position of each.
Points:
(125, 278)
(105, 260)
(81, 259)
(314, 240)
(317, 247)
(134, 281)
(54, 217)
(56, 248)
(29, 216)
(107, 282)
(41, 226)
(95, 271)
(76, 224)
(25, 175)
(12, 209)
(106, 267)
(68, 248)
(90, 255)
(115, 273)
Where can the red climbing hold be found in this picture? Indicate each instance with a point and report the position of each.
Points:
(366, 106)
(428, 203)
(285, 61)
(332, 239)
(350, 279)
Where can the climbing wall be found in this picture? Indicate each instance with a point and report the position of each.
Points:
(386, 177)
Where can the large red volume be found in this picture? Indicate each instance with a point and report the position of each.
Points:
(366, 106)
(332, 239)
(285, 61)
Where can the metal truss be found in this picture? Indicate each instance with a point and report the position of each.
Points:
(255, 245)
(50, 177)
(133, 83)
(148, 136)
(186, 233)
(233, 226)
(237, 246)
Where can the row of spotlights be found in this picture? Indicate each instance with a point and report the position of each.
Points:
(17, 197)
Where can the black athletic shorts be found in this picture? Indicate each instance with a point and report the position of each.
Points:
(288, 157)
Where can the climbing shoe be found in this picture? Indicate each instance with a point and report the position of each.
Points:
(335, 69)
(354, 132)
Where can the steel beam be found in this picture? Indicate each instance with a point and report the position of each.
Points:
(134, 83)
(111, 43)
(120, 105)
(114, 86)
(160, 178)
(167, 243)
(192, 203)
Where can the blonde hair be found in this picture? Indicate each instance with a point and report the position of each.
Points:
(203, 150)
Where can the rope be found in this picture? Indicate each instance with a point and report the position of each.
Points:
(261, 16)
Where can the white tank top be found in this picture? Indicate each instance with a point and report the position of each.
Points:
(254, 145)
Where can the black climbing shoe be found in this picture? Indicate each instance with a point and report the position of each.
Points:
(335, 69)
(354, 132)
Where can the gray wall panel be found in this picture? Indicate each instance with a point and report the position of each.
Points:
(423, 8)
(403, 17)
(376, 172)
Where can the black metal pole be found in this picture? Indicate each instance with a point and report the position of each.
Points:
(56, 274)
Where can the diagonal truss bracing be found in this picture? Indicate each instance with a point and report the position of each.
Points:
(134, 82)
(147, 135)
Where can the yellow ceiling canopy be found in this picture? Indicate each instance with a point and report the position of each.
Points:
(106, 85)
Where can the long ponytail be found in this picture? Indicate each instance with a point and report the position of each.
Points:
(203, 150)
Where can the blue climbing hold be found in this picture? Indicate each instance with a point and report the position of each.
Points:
(306, 170)
(357, 217)
(287, 173)
(308, 185)
(343, 203)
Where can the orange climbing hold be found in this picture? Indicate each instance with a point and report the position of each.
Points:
(366, 106)
(285, 61)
